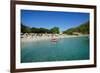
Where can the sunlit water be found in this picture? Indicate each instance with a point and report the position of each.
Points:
(76, 48)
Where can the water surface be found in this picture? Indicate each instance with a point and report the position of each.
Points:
(76, 48)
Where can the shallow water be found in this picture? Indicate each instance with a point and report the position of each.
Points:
(75, 48)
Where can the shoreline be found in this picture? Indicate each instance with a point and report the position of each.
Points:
(40, 38)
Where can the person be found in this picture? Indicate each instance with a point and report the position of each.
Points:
(53, 38)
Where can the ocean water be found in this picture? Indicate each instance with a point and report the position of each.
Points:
(65, 49)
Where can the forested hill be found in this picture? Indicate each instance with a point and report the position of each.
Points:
(83, 29)
(26, 29)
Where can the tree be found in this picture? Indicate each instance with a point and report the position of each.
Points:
(39, 30)
(25, 29)
(69, 31)
(55, 30)
(34, 30)
(83, 28)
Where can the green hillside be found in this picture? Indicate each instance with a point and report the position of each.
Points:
(83, 29)
(26, 29)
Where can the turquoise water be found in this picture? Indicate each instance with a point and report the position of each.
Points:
(65, 49)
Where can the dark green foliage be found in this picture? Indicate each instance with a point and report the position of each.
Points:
(83, 28)
(69, 31)
(39, 30)
(26, 29)
(55, 30)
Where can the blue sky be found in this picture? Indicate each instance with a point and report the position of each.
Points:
(50, 19)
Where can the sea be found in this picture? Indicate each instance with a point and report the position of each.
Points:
(64, 49)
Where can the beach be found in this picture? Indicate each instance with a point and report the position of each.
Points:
(39, 37)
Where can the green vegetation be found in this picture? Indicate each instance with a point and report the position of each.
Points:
(26, 29)
(39, 30)
(55, 30)
(83, 29)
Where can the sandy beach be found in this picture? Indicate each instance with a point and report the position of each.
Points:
(35, 38)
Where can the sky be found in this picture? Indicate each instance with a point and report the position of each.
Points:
(50, 19)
